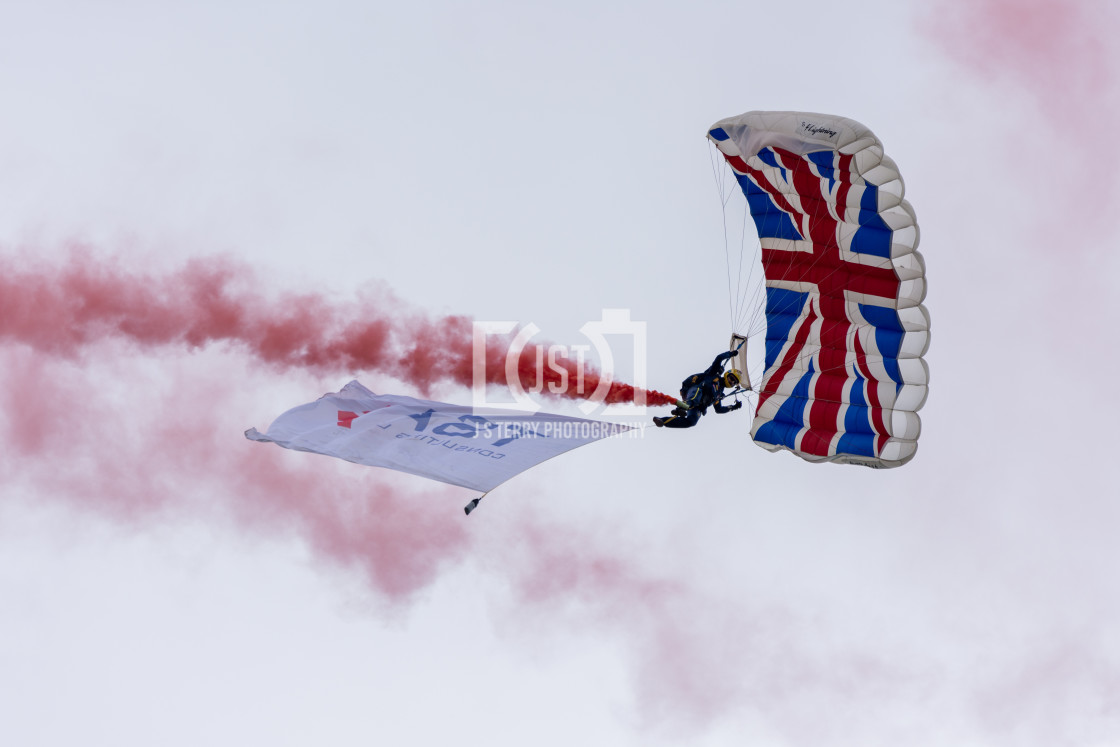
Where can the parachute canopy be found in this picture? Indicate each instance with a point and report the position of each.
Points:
(456, 444)
(845, 326)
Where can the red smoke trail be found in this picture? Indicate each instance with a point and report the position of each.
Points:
(113, 438)
(174, 451)
(697, 655)
(142, 450)
(1057, 50)
(61, 309)
(171, 451)
(1062, 55)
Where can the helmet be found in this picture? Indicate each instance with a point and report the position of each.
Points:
(732, 379)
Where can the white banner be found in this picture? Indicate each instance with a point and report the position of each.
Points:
(456, 444)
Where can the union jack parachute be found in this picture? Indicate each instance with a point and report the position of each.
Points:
(842, 373)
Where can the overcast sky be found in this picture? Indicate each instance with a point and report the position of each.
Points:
(165, 581)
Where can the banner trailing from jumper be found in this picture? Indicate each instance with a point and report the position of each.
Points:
(455, 444)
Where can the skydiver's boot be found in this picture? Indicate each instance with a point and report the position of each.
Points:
(689, 419)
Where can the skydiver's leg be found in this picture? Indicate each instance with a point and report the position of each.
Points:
(689, 419)
(692, 395)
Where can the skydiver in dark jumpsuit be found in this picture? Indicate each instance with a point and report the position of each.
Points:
(698, 392)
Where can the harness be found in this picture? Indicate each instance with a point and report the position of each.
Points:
(699, 391)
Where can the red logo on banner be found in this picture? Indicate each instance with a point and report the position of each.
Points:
(346, 419)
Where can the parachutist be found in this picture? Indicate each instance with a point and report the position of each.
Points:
(703, 390)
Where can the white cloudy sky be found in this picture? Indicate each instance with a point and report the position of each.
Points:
(164, 581)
